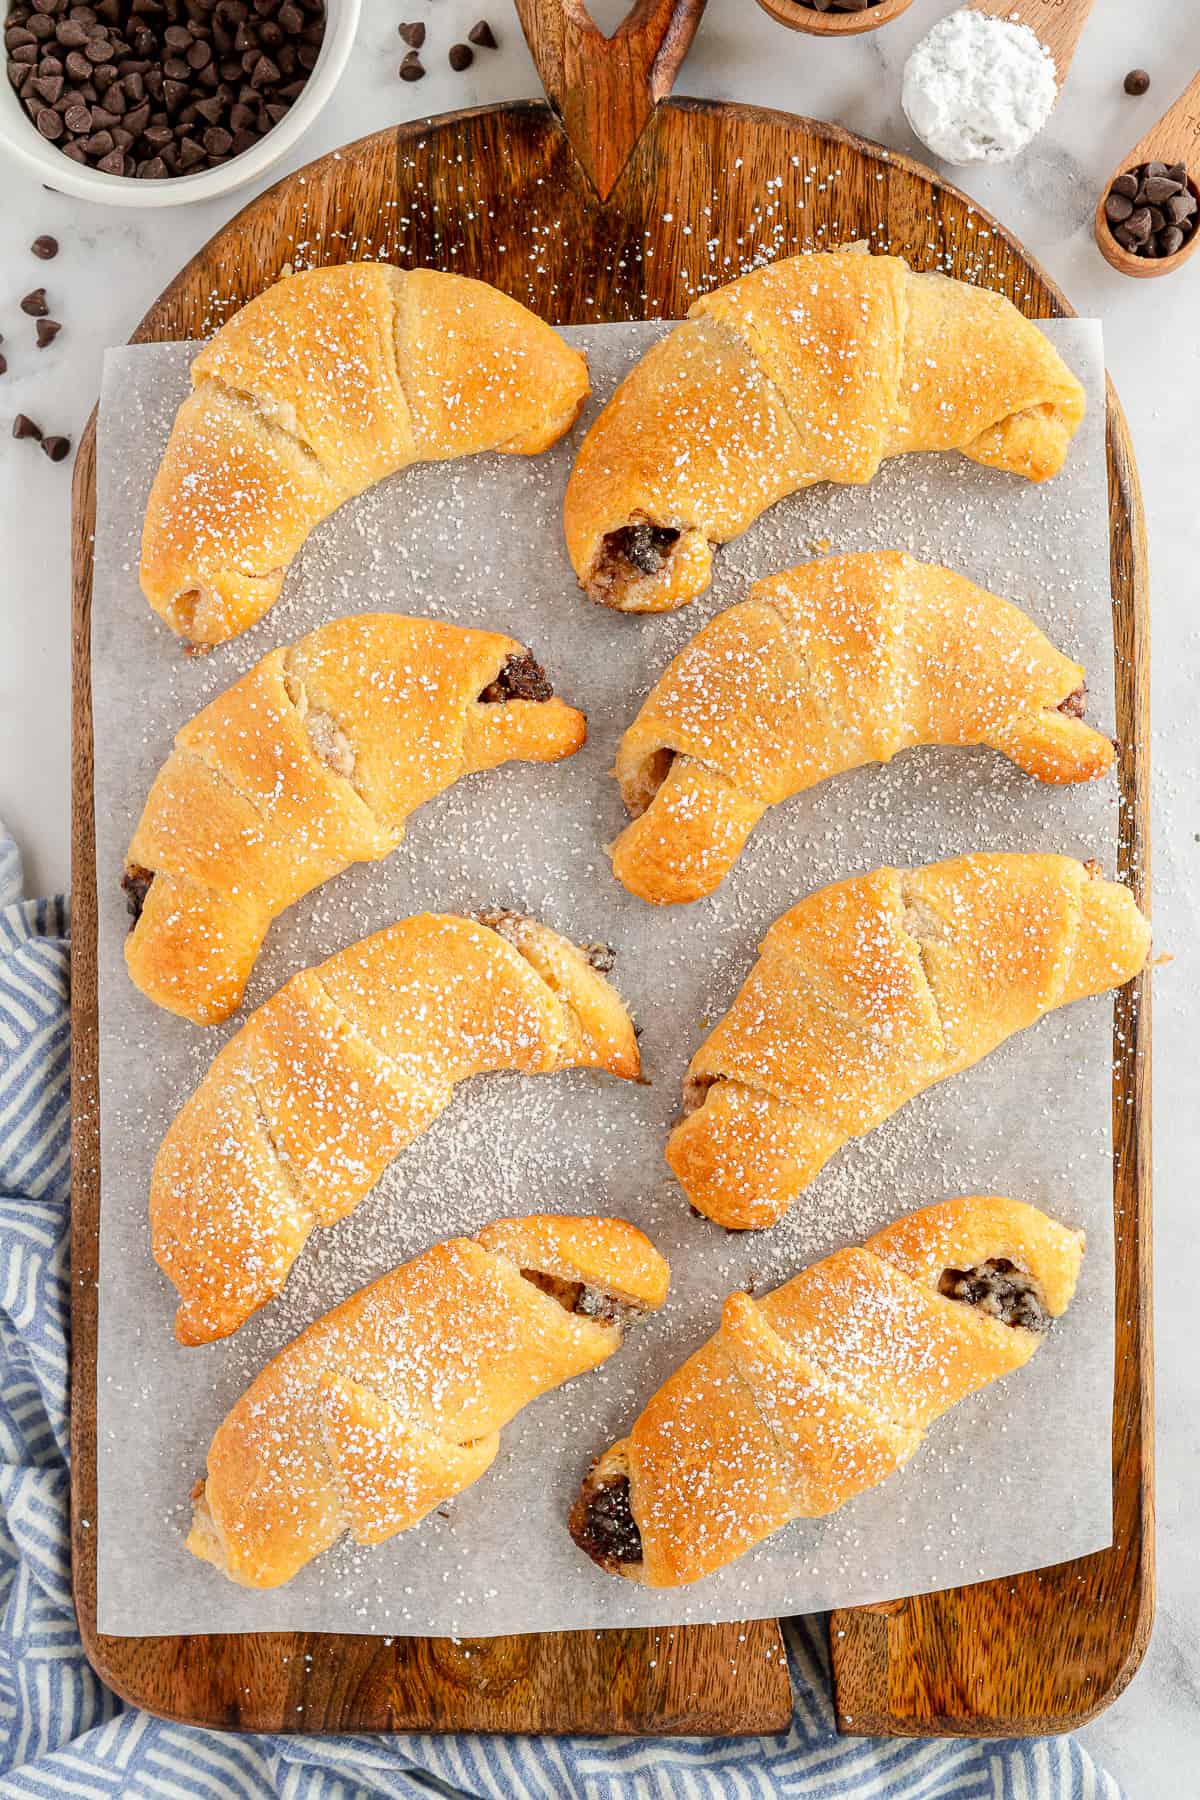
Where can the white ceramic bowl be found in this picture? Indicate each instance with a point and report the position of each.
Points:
(20, 138)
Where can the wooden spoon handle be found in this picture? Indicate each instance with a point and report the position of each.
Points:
(605, 89)
(1058, 23)
(1175, 138)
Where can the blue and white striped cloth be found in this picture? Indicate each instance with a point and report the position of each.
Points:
(62, 1732)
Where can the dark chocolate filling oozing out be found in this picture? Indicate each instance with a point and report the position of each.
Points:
(603, 1525)
(1001, 1290)
(642, 547)
(135, 885)
(521, 678)
(1075, 704)
(577, 1297)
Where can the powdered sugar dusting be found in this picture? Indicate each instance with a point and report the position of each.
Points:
(480, 544)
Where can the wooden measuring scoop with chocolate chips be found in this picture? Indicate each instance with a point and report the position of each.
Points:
(1147, 217)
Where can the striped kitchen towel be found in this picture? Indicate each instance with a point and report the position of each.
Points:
(63, 1734)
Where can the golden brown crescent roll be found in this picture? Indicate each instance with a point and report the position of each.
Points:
(304, 1108)
(866, 993)
(311, 762)
(815, 368)
(821, 669)
(395, 1400)
(823, 1388)
(319, 387)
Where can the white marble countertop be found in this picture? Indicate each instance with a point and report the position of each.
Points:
(113, 263)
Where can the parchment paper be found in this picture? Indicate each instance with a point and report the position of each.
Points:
(1014, 1478)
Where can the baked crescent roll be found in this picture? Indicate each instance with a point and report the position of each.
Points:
(395, 1400)
(866, 993)
(314, 391)
(815, 368)
(307, 1104)
(821, 669)
(311, 762)
(821, 1389)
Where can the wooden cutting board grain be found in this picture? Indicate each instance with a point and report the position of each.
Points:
(666, 199)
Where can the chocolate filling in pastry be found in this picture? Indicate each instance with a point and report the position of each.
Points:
(521, 678)
(577, 1297)
(135, 885)
(637, 549)
(1075, 704)
(1001, 1290)
(603, 1525)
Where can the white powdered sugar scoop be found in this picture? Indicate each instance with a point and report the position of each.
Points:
(978, 88)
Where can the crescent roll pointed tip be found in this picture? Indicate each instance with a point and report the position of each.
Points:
(840, 662)
(814, 368)
(311, 762)
(870, 990)
(810, 1394)
(315, 390)
(326, 1083)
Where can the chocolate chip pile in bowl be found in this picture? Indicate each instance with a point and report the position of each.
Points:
(156, 88)
(839, 6)
(1152, 210)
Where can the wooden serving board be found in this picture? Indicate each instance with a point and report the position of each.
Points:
(614, 202)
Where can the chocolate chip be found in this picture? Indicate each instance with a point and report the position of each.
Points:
(1137, 81)
(412, 68)
(413, 34)
(483, 35)
(461, 57)
(1117, 208)
(1170, 240)
(3, 364)
(25, 428)
(34, 304)
(56, 447)
(1127, 185)
(1157, 188)
(47, 331)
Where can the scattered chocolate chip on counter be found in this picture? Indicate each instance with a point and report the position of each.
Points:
(47, 331)
(34, 304)
(483, 35)
(461, 57)
(1152, 210)
(158, 88)
(25, 428)
(1137, 82)
(413, 34)
(44, 248)
(3, 363)
(56, 447)
(412, 68)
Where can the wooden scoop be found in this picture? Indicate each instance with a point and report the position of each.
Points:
(1175, 139)
(1057, 23)
(799, 17)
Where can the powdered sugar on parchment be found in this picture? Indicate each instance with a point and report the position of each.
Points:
(479, 542)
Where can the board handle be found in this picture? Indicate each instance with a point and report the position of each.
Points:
(605, 89)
